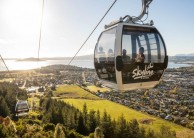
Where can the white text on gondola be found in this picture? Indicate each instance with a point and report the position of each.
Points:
(143, 74)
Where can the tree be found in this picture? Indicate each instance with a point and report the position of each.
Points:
(106, 125)
(4, 110)
(92, 123)
(49, 127)
(134, 129)
(85, 113)
(165, 132)
(59, 133)
(150, 134)
(3, 132)
(81, 128)
(98, 118)
(98, 133)
(142, 133)
(122, 127)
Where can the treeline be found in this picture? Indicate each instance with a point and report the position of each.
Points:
(57, 68)
(8, 92)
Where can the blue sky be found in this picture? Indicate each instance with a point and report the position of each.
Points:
(67, 23)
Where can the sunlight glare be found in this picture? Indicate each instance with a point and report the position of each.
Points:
(22, 17)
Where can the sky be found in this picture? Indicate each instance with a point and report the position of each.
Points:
(67, 24)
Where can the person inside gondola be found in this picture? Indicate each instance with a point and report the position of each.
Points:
(110, 65)
(102, 60)
(126, 61)
(101, 55)
(125, 57)
(110, 56)
(140, 57)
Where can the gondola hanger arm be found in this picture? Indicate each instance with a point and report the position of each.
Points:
(133, 19)
(145, 6)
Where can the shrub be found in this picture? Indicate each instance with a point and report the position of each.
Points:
(49, 127)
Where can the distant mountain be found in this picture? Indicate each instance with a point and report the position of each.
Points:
(185, 55)
(84, 57)
(30, 59)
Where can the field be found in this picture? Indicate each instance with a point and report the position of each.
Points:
(95, 89)
(73, 91)
(115, 110)
(76, 96)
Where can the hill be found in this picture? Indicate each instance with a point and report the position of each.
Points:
(185, 55)
(116, 110)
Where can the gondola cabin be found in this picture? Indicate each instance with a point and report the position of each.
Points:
(130, 56)
(21, 108)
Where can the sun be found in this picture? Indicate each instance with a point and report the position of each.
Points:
(22, 15)
(21, 23)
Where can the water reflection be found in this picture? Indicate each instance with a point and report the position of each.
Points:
(25, 65)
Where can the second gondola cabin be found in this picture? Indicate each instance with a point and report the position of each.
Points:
(130, 56)
(21, 108)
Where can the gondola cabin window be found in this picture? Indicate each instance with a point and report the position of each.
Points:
(145, 51)
(104, 56)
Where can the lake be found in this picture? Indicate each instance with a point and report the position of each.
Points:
(25, 65)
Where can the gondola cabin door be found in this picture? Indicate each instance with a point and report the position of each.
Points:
(130, 56)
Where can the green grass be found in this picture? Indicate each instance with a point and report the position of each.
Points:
(73, 91)
(93, 88)
(35, 100)
(115, 110)
(33, 113)
(7, 80)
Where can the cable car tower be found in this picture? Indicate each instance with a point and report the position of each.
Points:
(129, 54)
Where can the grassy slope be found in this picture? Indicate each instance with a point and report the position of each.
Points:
(73, 91)
(80, 96)
(115, 110)
(95, 89)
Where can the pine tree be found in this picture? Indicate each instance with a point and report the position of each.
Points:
(150, 134)
(81, 128)
(98, 133)
(134, 129)
(107, 125)
(165, 132)
(98, 118)
(59, 133)
(85, 113)
(4, 110)
(92, 123)
(122, 131)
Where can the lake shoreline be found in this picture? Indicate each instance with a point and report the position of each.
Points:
(34, 64)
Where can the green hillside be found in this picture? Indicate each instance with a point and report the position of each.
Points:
(73, 91)
(115, 110)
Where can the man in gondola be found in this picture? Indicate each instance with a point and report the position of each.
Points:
(126, 61)
(125, 57)
(102, 61)
(140, 57)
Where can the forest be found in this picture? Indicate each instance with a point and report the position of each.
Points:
(58, 119)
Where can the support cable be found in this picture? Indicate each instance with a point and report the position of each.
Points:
(90, 35)
(92, 32)
(6, 67)
(40, 32)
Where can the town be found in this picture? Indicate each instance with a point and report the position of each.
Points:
(172, 99)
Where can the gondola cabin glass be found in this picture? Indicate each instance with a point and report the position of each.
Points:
(138, 56)
(104, 59)
(145, 57)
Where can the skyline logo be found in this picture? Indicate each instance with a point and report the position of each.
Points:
(143, 74)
